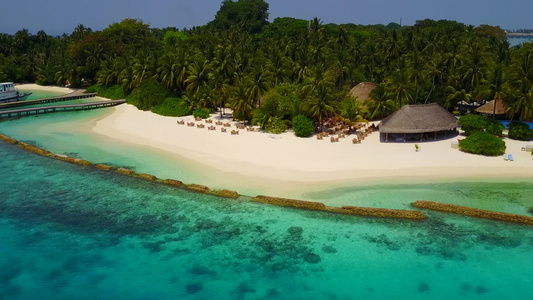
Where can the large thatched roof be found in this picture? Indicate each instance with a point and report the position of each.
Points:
(362, 91)
(419, 119)
(489, 108)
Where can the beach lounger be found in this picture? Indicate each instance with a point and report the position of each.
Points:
(510, 157)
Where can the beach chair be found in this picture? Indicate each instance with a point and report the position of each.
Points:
(510, 157)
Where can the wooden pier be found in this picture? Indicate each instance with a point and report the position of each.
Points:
(72, 96)
(22, 112)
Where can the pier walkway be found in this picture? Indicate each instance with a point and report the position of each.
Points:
(79, 94)
(22, 112)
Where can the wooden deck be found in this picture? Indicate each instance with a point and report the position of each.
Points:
(22, 112)
(79, 94)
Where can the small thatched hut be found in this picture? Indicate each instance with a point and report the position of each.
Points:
(362, 91)
(418, 122)
(488, 109)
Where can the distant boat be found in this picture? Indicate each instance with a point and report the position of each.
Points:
(9, 93)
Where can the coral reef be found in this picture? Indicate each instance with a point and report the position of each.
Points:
(474, 212)
(7, 139)
(290, 202)
(34, 149)
(173, 182)
(103, 167)
(347, 210)
(226, 194)
(148, 177)
(199, 188)
(125, 171)
(73, 160)
(384, 213)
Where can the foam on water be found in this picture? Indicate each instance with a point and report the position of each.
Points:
(70, 232)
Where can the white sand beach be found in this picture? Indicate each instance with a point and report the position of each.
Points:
(308, 161)
(285, 165)
(36, 87)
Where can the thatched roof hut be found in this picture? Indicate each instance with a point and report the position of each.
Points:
(419, 120)
(362, 91)
(489, 108)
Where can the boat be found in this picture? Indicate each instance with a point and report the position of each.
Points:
(9, 93)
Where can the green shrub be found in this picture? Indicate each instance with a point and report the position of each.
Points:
(276, 125)
(484, 143)
(495, 127)
(472, 123)
(151, 93)
(201, 113)
(114, 92)
(520, 131)
(97, 88)
(303, 126)
(172, 107)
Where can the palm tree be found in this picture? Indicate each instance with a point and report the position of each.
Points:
(523, 106)
(167, 70)
(259, 84)
(198, 80)
(521, 81)
(496, 87)
(145, 67)
(278, 66)
(381, 105)
(351, 108)
(400, 87)
(241, 103)
(416, 72)
(474, 68)
(320, 104)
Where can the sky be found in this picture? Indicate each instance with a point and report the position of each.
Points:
(57, 17)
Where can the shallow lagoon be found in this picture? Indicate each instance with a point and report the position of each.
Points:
(74, 232)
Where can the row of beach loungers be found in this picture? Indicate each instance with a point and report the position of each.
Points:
(334, 131)
(224, 127)
(344, 130)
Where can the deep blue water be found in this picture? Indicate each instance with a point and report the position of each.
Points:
(70, 232)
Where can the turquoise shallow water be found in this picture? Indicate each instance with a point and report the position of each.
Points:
(70, 232)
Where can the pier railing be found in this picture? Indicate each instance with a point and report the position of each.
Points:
(22, 112)
(72, 96)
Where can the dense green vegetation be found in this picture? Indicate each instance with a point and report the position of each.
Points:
(303, 126)
(474, 123)
(172, 107)
(520, 131)
(269, 73)
(481, 142)
(113, 92)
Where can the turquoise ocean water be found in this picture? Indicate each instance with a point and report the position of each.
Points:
(70, 232)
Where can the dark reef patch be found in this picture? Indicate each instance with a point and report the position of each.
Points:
(193, 288)
(423, 287)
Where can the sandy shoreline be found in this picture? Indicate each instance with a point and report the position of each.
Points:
(285, 165)
(36, 87)
(309, 161)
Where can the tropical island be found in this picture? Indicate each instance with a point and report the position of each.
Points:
(295, 75)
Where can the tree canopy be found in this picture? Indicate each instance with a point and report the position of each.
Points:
(248, 15)
(270, 73)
